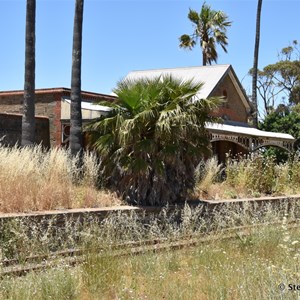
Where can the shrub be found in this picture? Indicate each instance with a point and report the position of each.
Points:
(153, 139)
(252, 176)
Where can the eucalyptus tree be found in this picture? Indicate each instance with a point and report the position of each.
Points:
(28, 118)
(210, 29)
(76, 140)
(279, 82)
(255, 63)
(153, 138)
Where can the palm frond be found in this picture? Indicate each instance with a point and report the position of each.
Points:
(157, 130)
(210, 28)
(186, 41)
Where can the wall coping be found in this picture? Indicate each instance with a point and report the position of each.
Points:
(20, 115)
(128, 208)
(57, 90)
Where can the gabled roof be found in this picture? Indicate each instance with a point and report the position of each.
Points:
(210, 76)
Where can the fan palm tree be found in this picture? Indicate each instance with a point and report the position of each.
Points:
(28, 119)
(210, 28)
(76, 117)
(255, 64)
(153, 138)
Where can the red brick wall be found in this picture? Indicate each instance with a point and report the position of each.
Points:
(45, 106)
(56, 133)
(11, 130)
(233, 108)
(48, 103)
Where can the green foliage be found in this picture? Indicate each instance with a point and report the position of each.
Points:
(280, 79)
(287, 76)
(153, 138)
(276, 179)
(284, 119)
(244, 174)
(210, 29)
(58, 284)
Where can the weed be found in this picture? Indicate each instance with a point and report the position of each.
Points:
(253, 176)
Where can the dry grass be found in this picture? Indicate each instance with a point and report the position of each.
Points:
(31, 179)
(244, 177)
(248, 267)
(207, 175)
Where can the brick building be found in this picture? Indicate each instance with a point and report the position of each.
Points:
(52, 107)
(235, 135)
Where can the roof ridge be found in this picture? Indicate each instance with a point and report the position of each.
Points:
(182, 68)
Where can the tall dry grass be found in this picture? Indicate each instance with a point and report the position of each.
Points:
(253, 176)
(32, 179)
(208, 176)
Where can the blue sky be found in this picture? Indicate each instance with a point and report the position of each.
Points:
(120, 36)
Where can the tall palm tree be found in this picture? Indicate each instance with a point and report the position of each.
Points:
(210, 28)
(255, 64)
(76, 117)
(28, 119)
(153, 138)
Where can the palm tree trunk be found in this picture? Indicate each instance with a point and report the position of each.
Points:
(203, 58)
(28, 119)
(76, 117)
(255, 64)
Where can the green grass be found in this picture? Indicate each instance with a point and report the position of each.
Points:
(244, 267)
(248, 268)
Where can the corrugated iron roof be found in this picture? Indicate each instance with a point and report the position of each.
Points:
(249, 131)
(210, 76)
(90, 106)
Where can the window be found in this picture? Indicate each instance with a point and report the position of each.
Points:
(225, 98)
(65, 136)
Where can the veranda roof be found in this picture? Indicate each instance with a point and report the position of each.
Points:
(249, 131)
(91, 106)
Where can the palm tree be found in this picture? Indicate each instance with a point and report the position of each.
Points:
(76, 117)
(28, 119)
(210, 28)
(255, 64)
(153, 138)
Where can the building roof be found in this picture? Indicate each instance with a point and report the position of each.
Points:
(210, 76)
(90, 106)
(249, 131)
